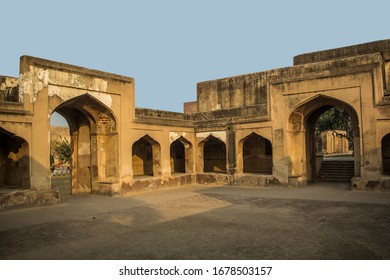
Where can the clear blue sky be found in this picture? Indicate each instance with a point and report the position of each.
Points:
(169, 46)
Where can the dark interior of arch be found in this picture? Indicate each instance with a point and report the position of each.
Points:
(177, 151)
(386, 154)
(214, 155)
(14, 161)
(257, 155)
(142, 155)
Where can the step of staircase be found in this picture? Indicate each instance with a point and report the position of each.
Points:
(336, 171)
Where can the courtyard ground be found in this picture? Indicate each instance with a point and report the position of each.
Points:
(320, 221)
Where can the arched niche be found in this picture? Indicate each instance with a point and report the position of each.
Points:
(385, 147)
(146, 154)
(214, 155)
(181, 156)
(14, 160)
(256, 154)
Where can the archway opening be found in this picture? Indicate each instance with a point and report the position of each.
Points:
(305, 163)
(331, 134)
(60, 155)
(257, 155)
(142, 153)
(386, 154)
(214, 155)
(14, 161)
(178, 157)
(93, 143)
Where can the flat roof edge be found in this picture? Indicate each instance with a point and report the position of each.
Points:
(26, 60)
(342, 52)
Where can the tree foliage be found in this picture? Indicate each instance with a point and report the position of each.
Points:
(335, 119)
(63, 151)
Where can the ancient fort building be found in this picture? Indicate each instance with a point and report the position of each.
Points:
(253, 129)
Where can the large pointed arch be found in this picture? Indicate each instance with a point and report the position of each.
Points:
(301, 140)
(94, 142)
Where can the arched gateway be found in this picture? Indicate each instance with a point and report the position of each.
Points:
(301, 135)
(94, 143)
(265, 121)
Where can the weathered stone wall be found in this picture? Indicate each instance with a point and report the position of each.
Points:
(382, 46)
(9, 89)
(355, 76)
(235, 92)
(190, 107)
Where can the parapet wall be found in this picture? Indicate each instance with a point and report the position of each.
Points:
(232, 92)
(159, 114)
(382, 46)
(226, 97)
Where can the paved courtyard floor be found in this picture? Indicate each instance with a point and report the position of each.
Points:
(320, 221)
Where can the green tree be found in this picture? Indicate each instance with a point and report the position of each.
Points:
(335, 119)
(51, 159)
(63, 150)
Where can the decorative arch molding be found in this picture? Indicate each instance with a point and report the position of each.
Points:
(304, 109)
(255, 132)
(182, 136)
(221, 135)
(295, 121)
(61, 94)
(97, 113)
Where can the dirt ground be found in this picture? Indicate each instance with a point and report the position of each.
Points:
(205, 222)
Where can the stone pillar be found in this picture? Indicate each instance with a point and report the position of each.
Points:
(40, 144)
(356, 151)
(231, 151)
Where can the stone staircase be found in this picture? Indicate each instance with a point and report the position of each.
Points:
(336, 171)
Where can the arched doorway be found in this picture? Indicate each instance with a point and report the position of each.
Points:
(177, 151)
(257, 155)
(94, 143)
(14, 161)
(386, 154)
(214, 155)
(302, 142)
(181, 156)
(146, 157)
(142, 158)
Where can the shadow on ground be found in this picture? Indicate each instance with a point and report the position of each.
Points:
(203, 223)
